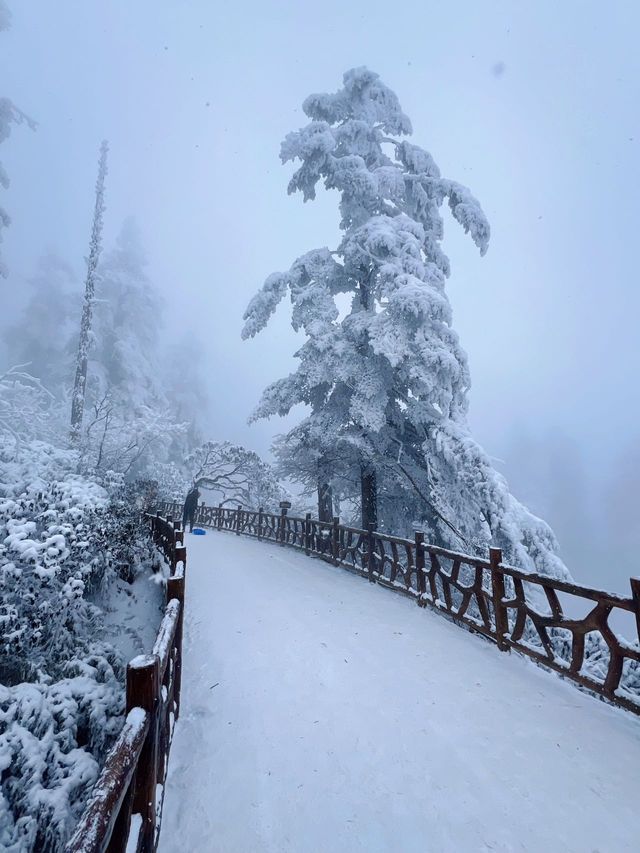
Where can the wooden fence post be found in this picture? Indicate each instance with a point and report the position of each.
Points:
(238, 519)
(371, 544)
(421, 581)
(220, 516)
(307, 534)
(260, 512)
(177, 539)
(635, 594)
(499, 610)
(335, 540)
(175, 589)
(143, 692)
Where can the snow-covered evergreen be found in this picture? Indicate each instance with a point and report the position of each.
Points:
(127, 319)
(44, 336)
(387, 384)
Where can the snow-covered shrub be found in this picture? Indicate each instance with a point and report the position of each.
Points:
(53, 738)
(63, 540)
(25, 409)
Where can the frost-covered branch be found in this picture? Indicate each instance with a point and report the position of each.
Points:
(234, 475)
(25, 406)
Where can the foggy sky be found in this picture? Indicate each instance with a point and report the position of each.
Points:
(535, 109)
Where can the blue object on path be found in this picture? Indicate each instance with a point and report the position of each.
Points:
(198, 531)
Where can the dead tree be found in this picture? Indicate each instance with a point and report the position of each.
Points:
(95, 247)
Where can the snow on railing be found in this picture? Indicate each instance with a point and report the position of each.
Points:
(566, 627)
(123, 813)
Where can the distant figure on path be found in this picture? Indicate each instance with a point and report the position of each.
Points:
(190, 507)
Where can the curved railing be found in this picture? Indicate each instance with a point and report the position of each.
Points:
(514, 609)
(563, 626)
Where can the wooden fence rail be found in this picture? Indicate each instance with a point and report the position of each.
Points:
(122, 812)
(563, 626)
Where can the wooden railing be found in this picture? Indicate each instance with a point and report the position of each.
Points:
(122, 813)
(563, 626)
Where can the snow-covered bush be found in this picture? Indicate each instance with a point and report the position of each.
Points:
(53, 738)
(63, 540)
(25, 409)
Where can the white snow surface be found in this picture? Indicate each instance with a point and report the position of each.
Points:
(321, 714)
(133, 613)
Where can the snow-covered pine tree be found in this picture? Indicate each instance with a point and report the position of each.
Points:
(129, 419)
(387, 383)
(41, 336)
(84, 341)
(127, 318)
(9, 114)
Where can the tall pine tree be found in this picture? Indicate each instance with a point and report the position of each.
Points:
(127, 320)
(387, 384)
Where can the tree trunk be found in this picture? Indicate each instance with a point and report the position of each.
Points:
(368, 480)
(369, 492)
(325, 501)
(95, 246)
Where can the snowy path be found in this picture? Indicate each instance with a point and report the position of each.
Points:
(325, 715)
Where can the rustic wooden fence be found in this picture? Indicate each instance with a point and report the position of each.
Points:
(563, 626)
(123, 811)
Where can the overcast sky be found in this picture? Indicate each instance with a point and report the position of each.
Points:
(533, 105)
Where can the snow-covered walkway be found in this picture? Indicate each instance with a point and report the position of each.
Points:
(323, 714)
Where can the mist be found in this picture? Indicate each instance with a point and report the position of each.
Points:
(532, 108)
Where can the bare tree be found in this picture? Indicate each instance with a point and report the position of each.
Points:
(122, 439)
(95, 247)
(235, 475)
